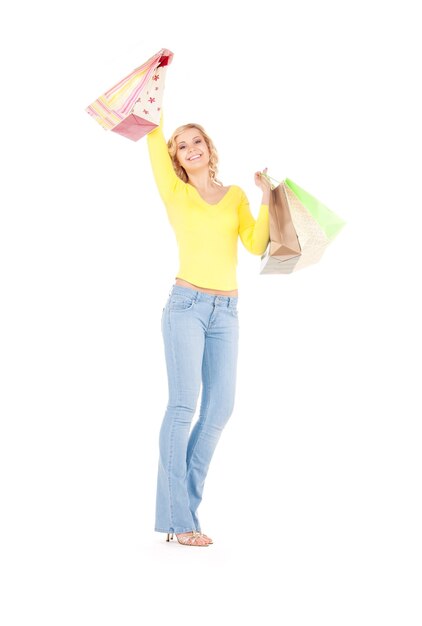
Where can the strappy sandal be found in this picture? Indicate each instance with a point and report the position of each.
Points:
(190, 540)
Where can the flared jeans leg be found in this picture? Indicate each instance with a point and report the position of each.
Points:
(200, 333)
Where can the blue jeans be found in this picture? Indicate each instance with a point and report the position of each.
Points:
(200, 332)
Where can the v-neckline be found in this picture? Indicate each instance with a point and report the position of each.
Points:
(208, 203)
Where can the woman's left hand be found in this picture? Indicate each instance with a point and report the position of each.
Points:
(261, 181)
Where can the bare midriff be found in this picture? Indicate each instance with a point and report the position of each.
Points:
(184, 283)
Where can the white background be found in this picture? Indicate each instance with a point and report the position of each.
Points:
(313, 497)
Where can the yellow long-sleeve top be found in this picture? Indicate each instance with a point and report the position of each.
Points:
(206, 234)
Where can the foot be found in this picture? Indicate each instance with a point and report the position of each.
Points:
(193, 538)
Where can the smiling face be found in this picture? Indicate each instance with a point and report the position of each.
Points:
(192, 151)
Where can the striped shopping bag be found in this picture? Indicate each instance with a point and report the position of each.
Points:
(132, 107)
(301, 227)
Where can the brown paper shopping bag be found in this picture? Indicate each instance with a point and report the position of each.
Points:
(284, 243)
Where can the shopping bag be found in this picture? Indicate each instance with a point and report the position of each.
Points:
(284, 242)
(315, 226)
(132, 108)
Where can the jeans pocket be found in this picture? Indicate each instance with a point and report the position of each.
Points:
(180, 303)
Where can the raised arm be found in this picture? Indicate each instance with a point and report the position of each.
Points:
(162, 167)
(255, 234)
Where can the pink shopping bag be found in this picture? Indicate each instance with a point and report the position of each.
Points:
(132, 107)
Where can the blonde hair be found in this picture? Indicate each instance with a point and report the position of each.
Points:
(172, 148)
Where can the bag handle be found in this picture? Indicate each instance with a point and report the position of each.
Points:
(269, 179)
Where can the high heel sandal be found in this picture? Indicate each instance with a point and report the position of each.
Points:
(190, 540)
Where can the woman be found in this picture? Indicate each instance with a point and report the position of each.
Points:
(199, 323)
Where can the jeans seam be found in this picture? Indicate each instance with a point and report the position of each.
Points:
(172, 431)
(206, 412)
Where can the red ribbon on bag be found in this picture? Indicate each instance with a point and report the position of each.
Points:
(165, 59)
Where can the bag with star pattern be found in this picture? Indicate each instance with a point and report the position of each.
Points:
(132, 107)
